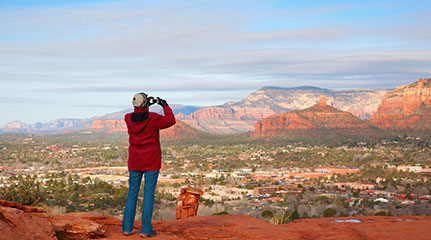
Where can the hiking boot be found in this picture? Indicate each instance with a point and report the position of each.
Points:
(148, 235)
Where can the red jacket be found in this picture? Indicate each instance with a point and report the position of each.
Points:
(144, 149)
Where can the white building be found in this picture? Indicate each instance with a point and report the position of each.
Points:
(406, 168)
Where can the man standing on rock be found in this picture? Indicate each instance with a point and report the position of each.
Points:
(145, 158)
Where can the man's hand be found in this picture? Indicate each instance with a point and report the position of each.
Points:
(162, 102)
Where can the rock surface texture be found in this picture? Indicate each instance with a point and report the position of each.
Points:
(188, 203)
(78, 226)
(19, 225)
(24, 222)
(406, 108)
(110, 126)
(320, 116)
(231, 117)
(235, 117)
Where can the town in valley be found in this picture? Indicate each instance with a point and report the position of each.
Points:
(390, 177)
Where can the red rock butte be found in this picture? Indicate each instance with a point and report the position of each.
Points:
(322, 101)
(23, 223)
(406, 108)
(319, 116)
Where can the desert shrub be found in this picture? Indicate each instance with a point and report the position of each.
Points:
(381, 213)
(267, 214)
(343, 214)
(207, 202)
(321, 200)
(285, 217)
(356, 193)
(26, 191)
(329, 212)
(221, 213)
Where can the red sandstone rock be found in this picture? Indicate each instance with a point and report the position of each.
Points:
(225, 119)
(406, 99)
(188, 203)
(319, 116)
(32, 209)
(6, 203)
(406, 108)
(322, 101)
(110, 126)
(77, 226)
(236, 117)
(244, 227)
(19, 225)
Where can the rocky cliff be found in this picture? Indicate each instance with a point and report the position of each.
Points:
(228, 119)
(232, 117)
(406, 108)
(110, 126)
(17, 224)
(235, 117)
(318, 117)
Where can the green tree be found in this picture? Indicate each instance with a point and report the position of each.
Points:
(267, 214)
(321, 200)
(380, 213)
(285, 217)
(356, 193)
(27, 191)
(329, 212)
(221, 213)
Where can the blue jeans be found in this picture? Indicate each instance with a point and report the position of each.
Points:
(135, 178)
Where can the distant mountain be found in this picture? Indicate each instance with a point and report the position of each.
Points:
(271, 110)
(108, 126)
(406, 108)
(236, 117)
(318, 117)
(15, 127)
(70, 124)
(54, 126)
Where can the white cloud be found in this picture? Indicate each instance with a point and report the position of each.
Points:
(208, 49)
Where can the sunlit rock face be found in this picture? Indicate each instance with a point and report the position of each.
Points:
(110, 126)
(231, 117)
(406, 108)
(236, 117)
(319, 116)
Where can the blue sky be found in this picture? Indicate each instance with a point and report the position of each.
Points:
(77, 59)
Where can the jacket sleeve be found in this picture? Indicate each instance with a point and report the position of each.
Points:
(166, 121)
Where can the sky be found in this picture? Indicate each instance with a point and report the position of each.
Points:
(84, 58)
